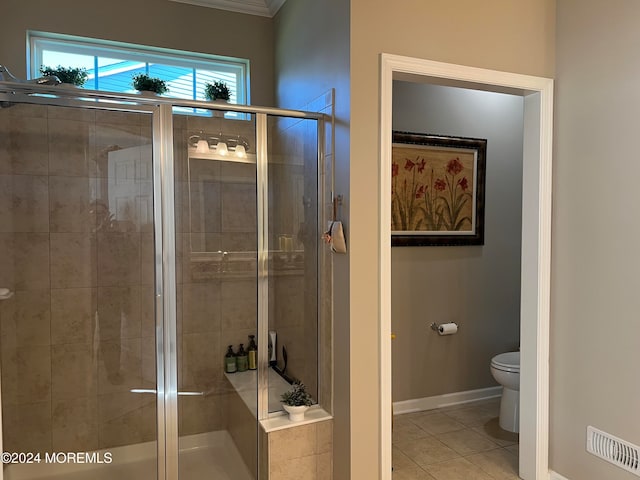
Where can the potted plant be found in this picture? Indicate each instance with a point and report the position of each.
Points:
(144, 83)
(296, 401)
(217, 90)
(67, 75)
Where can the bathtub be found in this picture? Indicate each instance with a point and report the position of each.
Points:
(205, 455)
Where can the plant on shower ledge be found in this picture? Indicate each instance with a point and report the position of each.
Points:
(69, 75)
(217, 90)
(144, 83)
(296, 401)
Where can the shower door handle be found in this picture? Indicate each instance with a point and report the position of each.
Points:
(150, 390)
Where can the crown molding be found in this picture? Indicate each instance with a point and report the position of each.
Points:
(263, 8)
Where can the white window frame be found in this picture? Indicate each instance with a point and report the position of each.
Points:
(39, 41)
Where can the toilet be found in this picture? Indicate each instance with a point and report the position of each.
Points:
(505, 368)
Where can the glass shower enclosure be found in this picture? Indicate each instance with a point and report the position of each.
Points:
(141, 239)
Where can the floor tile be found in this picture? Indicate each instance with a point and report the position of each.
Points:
(460, 442)
(466, 442)
(426, 451)
(475, 415)
(515, 449)
(405, 430)
(413, 473)
(492, 430)
(457, 469)
(437, 423)
(400, 461)
(499, 463)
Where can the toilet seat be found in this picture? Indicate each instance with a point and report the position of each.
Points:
(507, 362)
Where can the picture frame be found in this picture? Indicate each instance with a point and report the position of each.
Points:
(437, 190)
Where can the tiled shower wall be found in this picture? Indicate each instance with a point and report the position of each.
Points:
(217, 296)
(300, 452)
(77, 249)
(76, 234)
(293, 205)
(300, 283)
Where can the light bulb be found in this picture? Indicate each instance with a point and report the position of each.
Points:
(241, 152)
(222, 149)
(202, 146)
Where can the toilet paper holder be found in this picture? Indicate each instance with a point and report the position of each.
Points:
(438, 328)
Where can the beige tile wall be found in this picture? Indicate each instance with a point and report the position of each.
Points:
(243, 428)
(301, 452)
(78, 334)
(301, 317)
(215, 210)
(294, 279)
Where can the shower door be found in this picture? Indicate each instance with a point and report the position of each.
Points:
(77, 327)
(216, 223)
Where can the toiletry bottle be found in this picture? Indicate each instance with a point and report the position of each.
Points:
(230, 361)
(252, 353)
(243, 363)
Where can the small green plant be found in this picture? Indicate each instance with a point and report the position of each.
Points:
(297, 396)
(72, 75)
(217, 91)
(144, 83)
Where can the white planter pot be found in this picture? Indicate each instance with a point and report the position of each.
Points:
(296, 414)
(219, 113)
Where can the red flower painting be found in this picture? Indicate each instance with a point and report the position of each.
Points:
(431, 194)
(437, 190)
(406, 212)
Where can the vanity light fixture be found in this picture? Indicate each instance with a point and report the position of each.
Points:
(240, 151)
(220, 144)
(202, 146)
(221, 148)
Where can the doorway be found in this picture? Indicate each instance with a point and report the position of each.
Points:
(537, 93)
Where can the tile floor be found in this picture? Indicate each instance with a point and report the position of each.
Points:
(462, 442)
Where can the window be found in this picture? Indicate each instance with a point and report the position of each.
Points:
(111, 65)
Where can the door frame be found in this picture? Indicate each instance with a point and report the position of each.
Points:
(536, 243)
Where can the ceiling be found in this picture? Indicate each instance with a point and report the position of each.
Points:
(263, 8)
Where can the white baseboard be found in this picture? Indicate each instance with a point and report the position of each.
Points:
(556, 476)
(445, 400)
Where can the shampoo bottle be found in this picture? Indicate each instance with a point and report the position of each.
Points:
(252, 352)
(243, 363)
(230, 361)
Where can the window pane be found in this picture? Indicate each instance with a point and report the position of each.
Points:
(117, 63)
(179, 79)
(53, 59)
(208, 76)
(116, 75)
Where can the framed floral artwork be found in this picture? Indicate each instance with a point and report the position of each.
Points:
(437, 190)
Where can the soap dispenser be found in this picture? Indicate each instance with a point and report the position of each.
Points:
(252, 352)
(243, 363)
(230, 361)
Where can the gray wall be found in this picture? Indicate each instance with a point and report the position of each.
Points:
(159, 23)
(311, 57)
(595, 302)
(478, 287)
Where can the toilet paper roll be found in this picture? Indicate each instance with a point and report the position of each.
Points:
(447, 329)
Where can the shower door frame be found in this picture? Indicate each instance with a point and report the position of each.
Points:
(165, 283)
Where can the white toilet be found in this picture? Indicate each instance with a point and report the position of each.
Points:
(505, 368)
